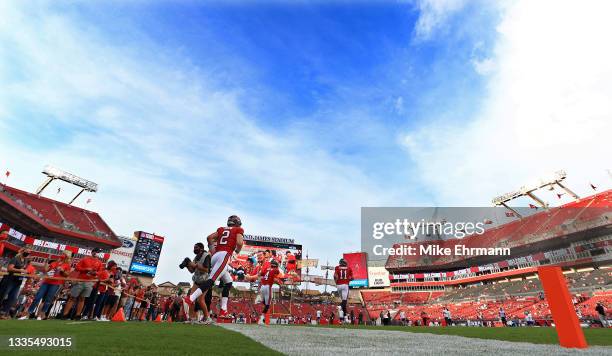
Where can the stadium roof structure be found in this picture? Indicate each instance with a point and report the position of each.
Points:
(38, 215)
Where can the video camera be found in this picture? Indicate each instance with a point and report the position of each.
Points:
(185, 262)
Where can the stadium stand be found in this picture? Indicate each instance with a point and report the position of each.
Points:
(55, 221)
(560, 222)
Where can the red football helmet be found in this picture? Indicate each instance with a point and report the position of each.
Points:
(234, 220)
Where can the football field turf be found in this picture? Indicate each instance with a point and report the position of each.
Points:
(595, 336)
(134, 338)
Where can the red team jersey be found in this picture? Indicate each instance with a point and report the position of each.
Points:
(291, 262)
(268, 275)
(343, 274)
(226, 238)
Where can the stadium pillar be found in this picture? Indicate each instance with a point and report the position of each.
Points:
(560, 302)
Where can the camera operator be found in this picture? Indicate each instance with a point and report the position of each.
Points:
(200, 267)
(11, 283)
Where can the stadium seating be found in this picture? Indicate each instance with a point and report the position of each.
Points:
(482, 301)
(546, 224)
(58, 214)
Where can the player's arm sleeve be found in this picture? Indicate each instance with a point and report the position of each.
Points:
(239, 242)
(211, 239)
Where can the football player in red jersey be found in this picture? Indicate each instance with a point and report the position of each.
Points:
(222, 244)
(343, 275)
(290, 261)
(269, 276)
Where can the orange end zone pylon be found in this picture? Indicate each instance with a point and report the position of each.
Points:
(561, 306)
(119, 316)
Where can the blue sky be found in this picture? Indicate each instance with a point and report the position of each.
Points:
(293, 115)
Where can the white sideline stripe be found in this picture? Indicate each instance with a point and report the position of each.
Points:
(301, 340)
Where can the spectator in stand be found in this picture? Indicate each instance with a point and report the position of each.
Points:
(129, 295)
(49, 287)
(105, 278)
(601, 311)
(166, 307)
(138, 292)
(113, 293)
(144, 304)
(9, 287)
(153, 303)
(88, 268)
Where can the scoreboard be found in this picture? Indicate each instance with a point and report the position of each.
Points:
(146, 253)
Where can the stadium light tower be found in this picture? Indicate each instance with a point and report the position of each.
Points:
(54, 173)
(528, 190)
(327, 268)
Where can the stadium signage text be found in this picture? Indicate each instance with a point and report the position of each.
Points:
(268, 239)
(412, 230)
(437, 250)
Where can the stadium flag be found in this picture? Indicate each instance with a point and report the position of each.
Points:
(593, 187)
(559, 195)
(88, 201)
(7, 174)
(509, 214)
(531, 206)
(59, 189)
(488, 221)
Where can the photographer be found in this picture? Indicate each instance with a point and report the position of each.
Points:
(199, 267)
(9, 287)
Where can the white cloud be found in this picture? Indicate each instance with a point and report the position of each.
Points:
(172, 152)
(483, 66)
(433, 14)
(548, 106)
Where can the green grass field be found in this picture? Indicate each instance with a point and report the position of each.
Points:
(133, 338)
(602, 337)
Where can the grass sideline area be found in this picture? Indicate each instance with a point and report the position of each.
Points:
(132, 338)
(536, 335)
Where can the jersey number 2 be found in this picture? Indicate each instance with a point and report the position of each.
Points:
(223, 239)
